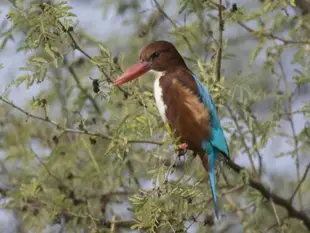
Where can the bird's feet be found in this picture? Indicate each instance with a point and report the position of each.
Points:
(182, 149)
(183, 146)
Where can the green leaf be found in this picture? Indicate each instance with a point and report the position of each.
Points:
(255, 53)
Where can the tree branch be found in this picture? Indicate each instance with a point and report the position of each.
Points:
(291, 210)
(272, 36)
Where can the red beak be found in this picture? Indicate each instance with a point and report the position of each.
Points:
(133, 72)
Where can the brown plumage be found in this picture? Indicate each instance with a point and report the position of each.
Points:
(186, 114)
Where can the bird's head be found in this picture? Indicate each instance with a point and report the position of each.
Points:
(159, 56)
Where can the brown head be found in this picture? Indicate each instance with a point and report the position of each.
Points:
(159, 56)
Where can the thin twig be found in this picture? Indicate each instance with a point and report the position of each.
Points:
(234, 206)
(242, 140)
(46, 168)
(220, 42)
(288, 110)
(254, 140)
(275, 224)
(275, 213)
(131, 169)
(300, 183)
(270, 35)
(160, 9)
(234, 189)
(79, 48)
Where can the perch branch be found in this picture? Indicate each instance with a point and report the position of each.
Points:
(291, 210)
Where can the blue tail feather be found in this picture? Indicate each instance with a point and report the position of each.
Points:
(217, 143)
(212, 183)
(212, 153)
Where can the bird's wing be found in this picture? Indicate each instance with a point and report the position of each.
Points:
(218, 139)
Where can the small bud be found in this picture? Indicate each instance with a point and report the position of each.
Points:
(96, 89)
(115, 59)
(81, 126)
(35, 212)
(208, 220)
(234, 7)
(93, 141)
(43, 102)
(70, 176)
(55, 139)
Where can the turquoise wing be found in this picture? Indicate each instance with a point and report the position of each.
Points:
(218, 139)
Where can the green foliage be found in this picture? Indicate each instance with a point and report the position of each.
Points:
(81, 148)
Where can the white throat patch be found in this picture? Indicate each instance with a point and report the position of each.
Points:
(158, 93)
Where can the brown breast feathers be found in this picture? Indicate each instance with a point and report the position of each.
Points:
(187, 115)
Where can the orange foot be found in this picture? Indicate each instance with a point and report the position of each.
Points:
(182, 149)
(183, 146)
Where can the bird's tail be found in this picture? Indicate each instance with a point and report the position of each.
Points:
(209, 165)
(212, 183)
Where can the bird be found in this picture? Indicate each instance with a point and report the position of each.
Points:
(184, 103)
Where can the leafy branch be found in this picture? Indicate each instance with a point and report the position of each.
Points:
(70, 130)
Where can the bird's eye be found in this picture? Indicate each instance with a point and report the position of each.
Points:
(154, 55)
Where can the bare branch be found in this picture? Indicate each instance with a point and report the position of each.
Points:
(272, 36)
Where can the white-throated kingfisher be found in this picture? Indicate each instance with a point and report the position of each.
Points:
(184, 103)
